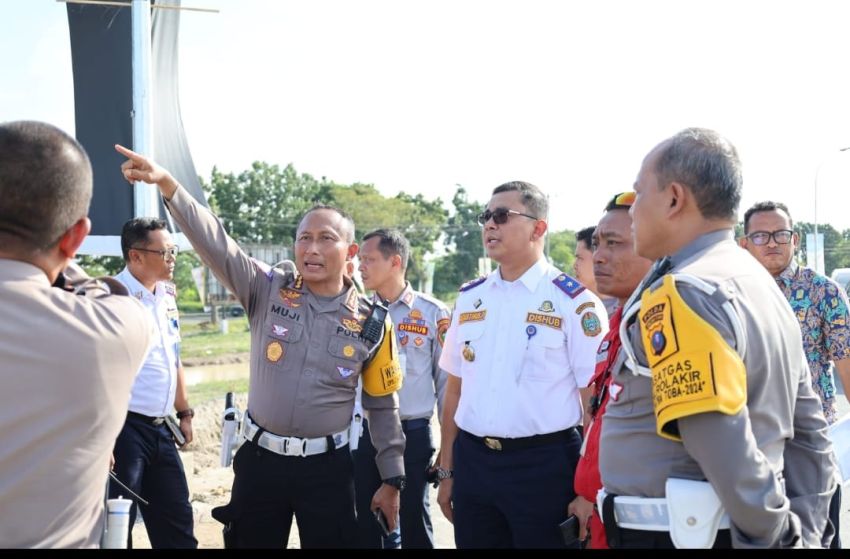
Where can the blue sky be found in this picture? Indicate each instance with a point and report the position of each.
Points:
(421, 96)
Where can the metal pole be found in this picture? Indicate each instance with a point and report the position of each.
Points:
(817, 176)
(145, 196)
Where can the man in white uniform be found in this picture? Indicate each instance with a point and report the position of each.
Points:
(520, 348)
(146, 458)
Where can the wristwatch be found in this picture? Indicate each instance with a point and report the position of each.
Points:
(444, 474)
(188, 412)
(399, 482)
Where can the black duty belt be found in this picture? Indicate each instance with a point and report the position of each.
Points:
(146, 418)
(495, 443)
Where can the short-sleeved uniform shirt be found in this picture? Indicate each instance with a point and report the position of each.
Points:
(523, 349)
(156, 383)
(420, 323)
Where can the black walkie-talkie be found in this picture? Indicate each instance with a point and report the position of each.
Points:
(373, 327)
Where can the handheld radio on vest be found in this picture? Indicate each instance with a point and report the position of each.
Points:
(373, 327)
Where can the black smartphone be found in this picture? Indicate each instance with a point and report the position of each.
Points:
(174, 426)
(382, 522)
(569, 530)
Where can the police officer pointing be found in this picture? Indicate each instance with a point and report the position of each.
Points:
(713, 381)
(307, 353)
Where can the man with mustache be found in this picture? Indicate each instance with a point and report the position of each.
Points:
(583, 267)
(146, 458)
(818, 302)
(311, 340)
(618, 271)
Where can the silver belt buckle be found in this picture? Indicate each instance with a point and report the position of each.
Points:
(293, 446)
(493, 444)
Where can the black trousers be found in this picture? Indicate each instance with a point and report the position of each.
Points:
(147, 461)
(645, 539)
(835, 517)
(415, 513)
(512, 498)
(268, 489)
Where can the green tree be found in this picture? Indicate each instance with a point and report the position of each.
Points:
(420, 220)
(422, 223)
(562, 249)
(264, 203)
(96, 266)
(835, 247)
(187, 292)
(464, 234)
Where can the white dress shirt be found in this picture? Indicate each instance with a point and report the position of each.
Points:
(523, 349)
(156, 382)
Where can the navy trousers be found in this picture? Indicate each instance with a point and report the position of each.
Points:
(268, 489)
(147, 461)
(512, 498)
(415, 513)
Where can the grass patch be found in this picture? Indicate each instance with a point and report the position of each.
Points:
(206, 340)
(206, 391)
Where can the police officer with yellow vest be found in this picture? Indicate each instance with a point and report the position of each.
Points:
(713, 381)
(312, 336)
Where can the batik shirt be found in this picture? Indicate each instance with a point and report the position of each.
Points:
(821, 308)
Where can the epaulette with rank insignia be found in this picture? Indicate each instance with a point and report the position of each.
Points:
(170, 288)
(568, 285)
(470, 284)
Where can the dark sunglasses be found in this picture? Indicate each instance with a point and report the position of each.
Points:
(172, 251)
(500, 216)
(761, 238)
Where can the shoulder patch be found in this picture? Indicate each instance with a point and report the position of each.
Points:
(470, 284)
(568, 285)
(352, 300)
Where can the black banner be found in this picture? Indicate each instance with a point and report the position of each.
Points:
(101, 52)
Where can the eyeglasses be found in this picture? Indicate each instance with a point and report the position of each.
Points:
(171, 251)
(761, 238)
(622, 200)
(500, 216)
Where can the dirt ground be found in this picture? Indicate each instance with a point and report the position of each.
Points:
(209, 483)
